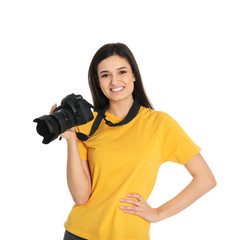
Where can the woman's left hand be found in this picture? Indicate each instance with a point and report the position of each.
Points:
(140, 207)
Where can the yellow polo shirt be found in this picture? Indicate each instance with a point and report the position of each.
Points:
(125, 159)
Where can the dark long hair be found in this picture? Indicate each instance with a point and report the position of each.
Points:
(99, 99)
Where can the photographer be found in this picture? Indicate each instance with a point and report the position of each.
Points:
(111, 175)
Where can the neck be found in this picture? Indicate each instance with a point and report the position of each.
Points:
(120, 108)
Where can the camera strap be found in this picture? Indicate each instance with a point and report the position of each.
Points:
(101, 115)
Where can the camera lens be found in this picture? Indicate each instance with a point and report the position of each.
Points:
(48, 128)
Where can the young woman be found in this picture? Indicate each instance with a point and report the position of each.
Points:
(111, 175)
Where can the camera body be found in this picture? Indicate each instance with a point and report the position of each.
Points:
(73, 111)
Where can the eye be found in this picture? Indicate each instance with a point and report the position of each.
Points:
(105, 75)
(122, 72)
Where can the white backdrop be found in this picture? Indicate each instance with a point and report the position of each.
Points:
(195, 60)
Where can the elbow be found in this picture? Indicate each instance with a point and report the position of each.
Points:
(81, 196)
(213, 183)
(79, 203)
(81, 200)
(206, 183)
(210, 183)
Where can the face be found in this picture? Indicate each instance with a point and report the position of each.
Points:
(116, 78)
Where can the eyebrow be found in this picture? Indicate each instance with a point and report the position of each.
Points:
(105, 71)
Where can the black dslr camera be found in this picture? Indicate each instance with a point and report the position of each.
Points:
(73, 111)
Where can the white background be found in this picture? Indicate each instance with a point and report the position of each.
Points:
(195, 58)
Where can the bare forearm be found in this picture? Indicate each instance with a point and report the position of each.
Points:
(196, 189)
(78, 181)
(203, 181)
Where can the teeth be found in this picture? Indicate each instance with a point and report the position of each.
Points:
(117, 89)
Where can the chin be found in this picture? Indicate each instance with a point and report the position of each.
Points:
(119, 99)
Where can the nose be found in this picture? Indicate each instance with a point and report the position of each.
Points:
(114, 80)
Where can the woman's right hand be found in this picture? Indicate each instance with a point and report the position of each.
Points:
(69, 133)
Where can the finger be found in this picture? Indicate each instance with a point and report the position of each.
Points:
(134, 212)
(129, 208)
(131, 201)
(135, 195)
(53, 108)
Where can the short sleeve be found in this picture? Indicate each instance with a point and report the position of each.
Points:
(82, 147)
(176, 145)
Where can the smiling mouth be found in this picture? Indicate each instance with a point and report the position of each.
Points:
(117, 89)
